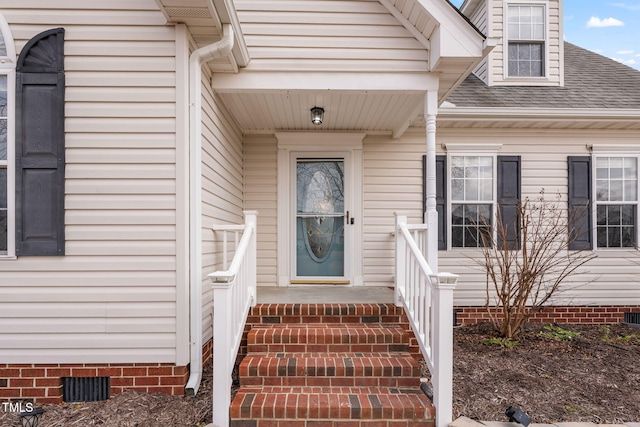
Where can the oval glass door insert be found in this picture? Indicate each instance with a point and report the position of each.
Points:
(320, 218)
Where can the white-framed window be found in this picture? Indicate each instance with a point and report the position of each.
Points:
(7, 141)
(526, 39)
(616, 200)
(472, 181)
(475, 187)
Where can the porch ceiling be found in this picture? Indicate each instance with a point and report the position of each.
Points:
(345, 111)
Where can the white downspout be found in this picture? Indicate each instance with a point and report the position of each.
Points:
(198, 57)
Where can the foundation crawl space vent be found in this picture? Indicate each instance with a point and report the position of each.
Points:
(85, 389)
(632, 318)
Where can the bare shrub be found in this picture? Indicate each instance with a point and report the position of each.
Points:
(526, 276)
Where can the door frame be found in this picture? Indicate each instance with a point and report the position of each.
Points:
(293, 145)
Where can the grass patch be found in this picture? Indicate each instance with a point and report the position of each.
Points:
(502, 342)
(558, 334)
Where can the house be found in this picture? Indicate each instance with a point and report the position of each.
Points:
(570, 118)
(134, 127)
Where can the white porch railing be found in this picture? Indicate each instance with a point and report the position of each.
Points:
(234, 292)
(427, 298)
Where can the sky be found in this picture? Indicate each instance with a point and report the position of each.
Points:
(608, 27)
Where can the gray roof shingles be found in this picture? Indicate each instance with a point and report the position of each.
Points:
(591, 81)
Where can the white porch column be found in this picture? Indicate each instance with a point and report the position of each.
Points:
(431, 215)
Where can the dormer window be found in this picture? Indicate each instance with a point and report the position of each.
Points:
(526, 33)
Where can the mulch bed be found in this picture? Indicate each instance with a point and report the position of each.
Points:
(130, 409)
(594, 377)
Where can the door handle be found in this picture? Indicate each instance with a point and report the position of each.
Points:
(350, 220)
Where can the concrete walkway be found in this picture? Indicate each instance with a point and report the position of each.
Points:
(329, 294)
(467, 422)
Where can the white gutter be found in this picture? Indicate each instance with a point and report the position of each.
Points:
(538, 113)
(198, 57)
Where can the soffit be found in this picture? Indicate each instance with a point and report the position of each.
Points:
(204, 21)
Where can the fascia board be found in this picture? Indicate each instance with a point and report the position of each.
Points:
(538, 113)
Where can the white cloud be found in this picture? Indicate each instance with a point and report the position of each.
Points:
(596, 22)
(629, 62)
(626, 6)
(624, 52)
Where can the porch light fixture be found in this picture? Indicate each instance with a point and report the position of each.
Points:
(516, 415)
(317, 115)
(31, 418)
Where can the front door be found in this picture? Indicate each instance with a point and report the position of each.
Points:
(320, 218)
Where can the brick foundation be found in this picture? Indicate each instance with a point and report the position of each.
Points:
(42, 383)
(556, 314)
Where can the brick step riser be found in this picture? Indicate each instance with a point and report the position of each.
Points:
(327, 348)
(338, 371)
(330, 382)
(327, 339)
(357, 405)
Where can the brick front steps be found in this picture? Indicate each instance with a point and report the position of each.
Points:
(343, 365)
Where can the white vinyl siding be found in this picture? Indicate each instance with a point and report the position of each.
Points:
(327, 35)
(481, 20)
(113, 297)
(222, 188)
(392, 183)
(261, 178)
(482, 70)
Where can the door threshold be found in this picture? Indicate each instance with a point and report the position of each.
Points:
(320, 282)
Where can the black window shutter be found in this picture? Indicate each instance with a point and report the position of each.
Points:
(509, 176)
(40, 160)
(579, 193)
(441, 196)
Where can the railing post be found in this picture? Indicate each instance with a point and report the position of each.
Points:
(401, 257)
(234, 292)
(251, 218)
(443, 286)
(222, 317)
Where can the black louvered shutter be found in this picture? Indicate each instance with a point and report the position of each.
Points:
(509, 177)
(40, 146)
(579, 168)
(441, 196)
